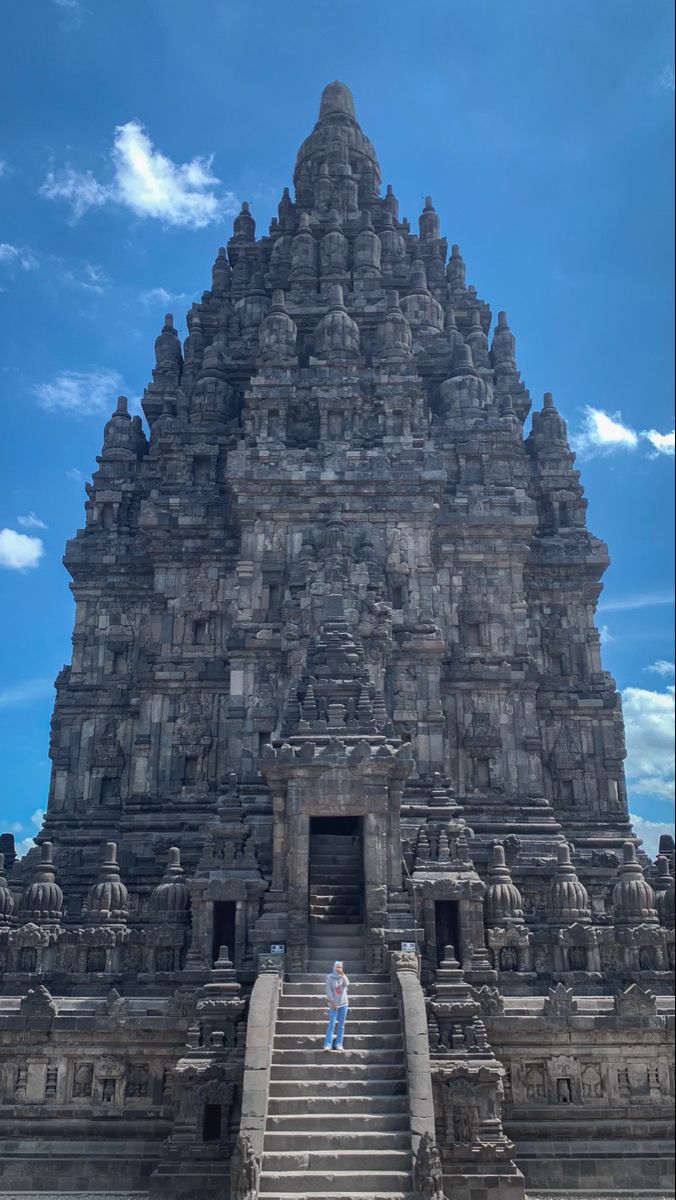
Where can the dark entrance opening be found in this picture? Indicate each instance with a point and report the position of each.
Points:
(447, 927)
(223, 929)
(211, 1124)
(340, 826)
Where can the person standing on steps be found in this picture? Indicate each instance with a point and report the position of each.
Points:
(337, 984)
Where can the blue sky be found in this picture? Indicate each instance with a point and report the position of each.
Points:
(543, 132)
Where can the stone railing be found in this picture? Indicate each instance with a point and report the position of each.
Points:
(260, 1033)
(427, 1171)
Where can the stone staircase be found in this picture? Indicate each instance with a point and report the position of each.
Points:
(338, 1125)
(335, 881)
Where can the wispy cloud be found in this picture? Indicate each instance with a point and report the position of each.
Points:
(71, 13)
(649, 726)
(31, 521)
(638, 600)
(662, 667)
(25, 692)
(146, 182)
(605, 635)
(81, 393)
(604, 433)
(160, 296)
(17, 256)
(80, 189)
(19, 551)
(4, 168)
(75, 474)
(667, 78)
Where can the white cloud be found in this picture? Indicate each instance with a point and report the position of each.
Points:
(4, 168)
(663, 667)
(17, 256)
(81, 393)
(147, 182)
(34, 823)
(602, 431)
(639, 600)
(667, 78)
(605, 635)
(161, 296)
(650, 832)
(25, 692)
(663, 443)
(18, 551)
(649, 725)
(31, 521)
(76, 474)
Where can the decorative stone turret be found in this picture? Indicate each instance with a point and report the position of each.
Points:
(393, 335)
(171, 897)
(303, 268)
(664, 892)
(123, 438)
(455, 271)
(168, 357)
(567, 899)
(477, 341)
(107, 899)
(503, 346)
(428, 221)
(633, 897)
(244, 227)
(337, 335)
(277, 336)
(221, 274)
(367, 250)
(420, 307)
(502, 902)
(42, 900)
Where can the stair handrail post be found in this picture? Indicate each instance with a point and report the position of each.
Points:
(260, 1033)
(427, 1170)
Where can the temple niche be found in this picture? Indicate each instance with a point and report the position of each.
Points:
(336, 691)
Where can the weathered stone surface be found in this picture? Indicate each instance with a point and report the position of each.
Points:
(336, 688)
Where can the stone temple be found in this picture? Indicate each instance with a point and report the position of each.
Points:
(336, 691)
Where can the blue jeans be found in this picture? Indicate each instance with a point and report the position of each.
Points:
(336, 1026)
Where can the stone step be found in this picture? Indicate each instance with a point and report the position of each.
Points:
(322, 962)
(313, 1055)
(335, 1106)
(364, 1028)
(327, 1089)
(341, 1142)
(358, 1010)
(324, 1195)
(327, 1179)
(371, 1043)
(341, 1116)
(349, 929)
(323, 887)
(323, 933)
(328, 1161)
(344, 1068)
